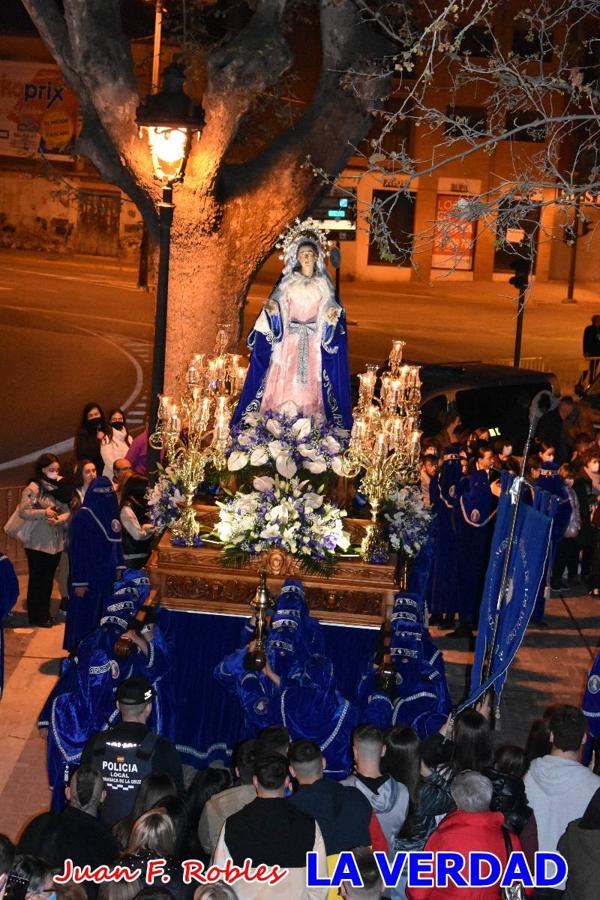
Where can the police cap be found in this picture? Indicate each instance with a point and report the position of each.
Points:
(134, 691)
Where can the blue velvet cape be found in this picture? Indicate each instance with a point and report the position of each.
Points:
(9, 591)
(442, 594)
(95, 553)
(476, 516)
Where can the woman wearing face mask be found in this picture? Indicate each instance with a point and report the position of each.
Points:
(116, 441)
(43, 504)
(91, 433)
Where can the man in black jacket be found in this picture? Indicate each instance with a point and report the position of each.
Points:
(76, 833)
(129, 752)
(343, 814)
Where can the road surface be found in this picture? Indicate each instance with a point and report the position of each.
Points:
(77, 329)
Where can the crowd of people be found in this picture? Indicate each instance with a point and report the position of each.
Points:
(460, 481)
(85, 521)
(453, 791)
(405, 787)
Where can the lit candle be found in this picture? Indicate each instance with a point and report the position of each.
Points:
(380, 448)
(415, 445)
(205, 412)
(221, 407)
(359, 430)
(367, 382)
(174, 420)
(396, 355)
(164, 406)
(193, 375)
(396, 431)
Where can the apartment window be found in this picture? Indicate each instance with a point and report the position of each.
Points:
(476, 40)
(400, 221)
(529, 44)
(470, 121)
(529, 133)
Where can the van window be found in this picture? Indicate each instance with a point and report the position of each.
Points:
(488, 407)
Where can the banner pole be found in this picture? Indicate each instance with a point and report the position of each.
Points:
(517, 487)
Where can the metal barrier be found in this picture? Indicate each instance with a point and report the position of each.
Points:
(536, 363)
(9, 497)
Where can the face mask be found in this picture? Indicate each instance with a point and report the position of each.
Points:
(51, 476)
(118, 425)
(94, 425)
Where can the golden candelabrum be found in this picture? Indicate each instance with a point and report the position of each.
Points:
(193, 432)
(385, 439)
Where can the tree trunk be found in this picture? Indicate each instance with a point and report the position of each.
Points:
(208, 283)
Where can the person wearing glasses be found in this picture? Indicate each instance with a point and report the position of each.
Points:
(122, 469)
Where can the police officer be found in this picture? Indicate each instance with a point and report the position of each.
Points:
(129, 752)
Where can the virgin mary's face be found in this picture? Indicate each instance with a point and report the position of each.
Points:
(307, 259)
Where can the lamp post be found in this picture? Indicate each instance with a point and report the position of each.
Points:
(169, 118)
(521, 263)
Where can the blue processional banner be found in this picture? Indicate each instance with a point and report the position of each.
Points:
(526, 571)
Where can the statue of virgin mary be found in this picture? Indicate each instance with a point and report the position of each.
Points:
(299, 341)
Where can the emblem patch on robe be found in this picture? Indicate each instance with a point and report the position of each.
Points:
(594, 684)
(475, 516)
(115, 525)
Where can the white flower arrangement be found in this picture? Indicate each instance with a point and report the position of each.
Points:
(163, 499)
(287, 442)
(285, 514)
(408, 520)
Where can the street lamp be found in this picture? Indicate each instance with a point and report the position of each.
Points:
(521, 263)
(169, 119)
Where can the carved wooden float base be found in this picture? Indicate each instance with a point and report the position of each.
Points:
(194, 579)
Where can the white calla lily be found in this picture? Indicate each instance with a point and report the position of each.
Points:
(285, 465)
(331, 444)
(316, 466)
(274, 427)
(259, 457)
(289, 409)
(263, 483)
(237, 460)
(301, 429)
(337, 465)
(313, 501)
(307, 451)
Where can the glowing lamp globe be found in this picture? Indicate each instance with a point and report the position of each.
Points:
(169, 119)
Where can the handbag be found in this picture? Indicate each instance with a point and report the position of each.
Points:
(516, 890)
(18, 528)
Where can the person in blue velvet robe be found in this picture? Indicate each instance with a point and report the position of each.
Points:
(81, 706)
(423, 691)
(9, 592)
(83, 700)
(420, 690)
(297, 688)
(96, 557)
(442, 589)
(476, 516)
(591, 699)
(549, 480)
(309, 351)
